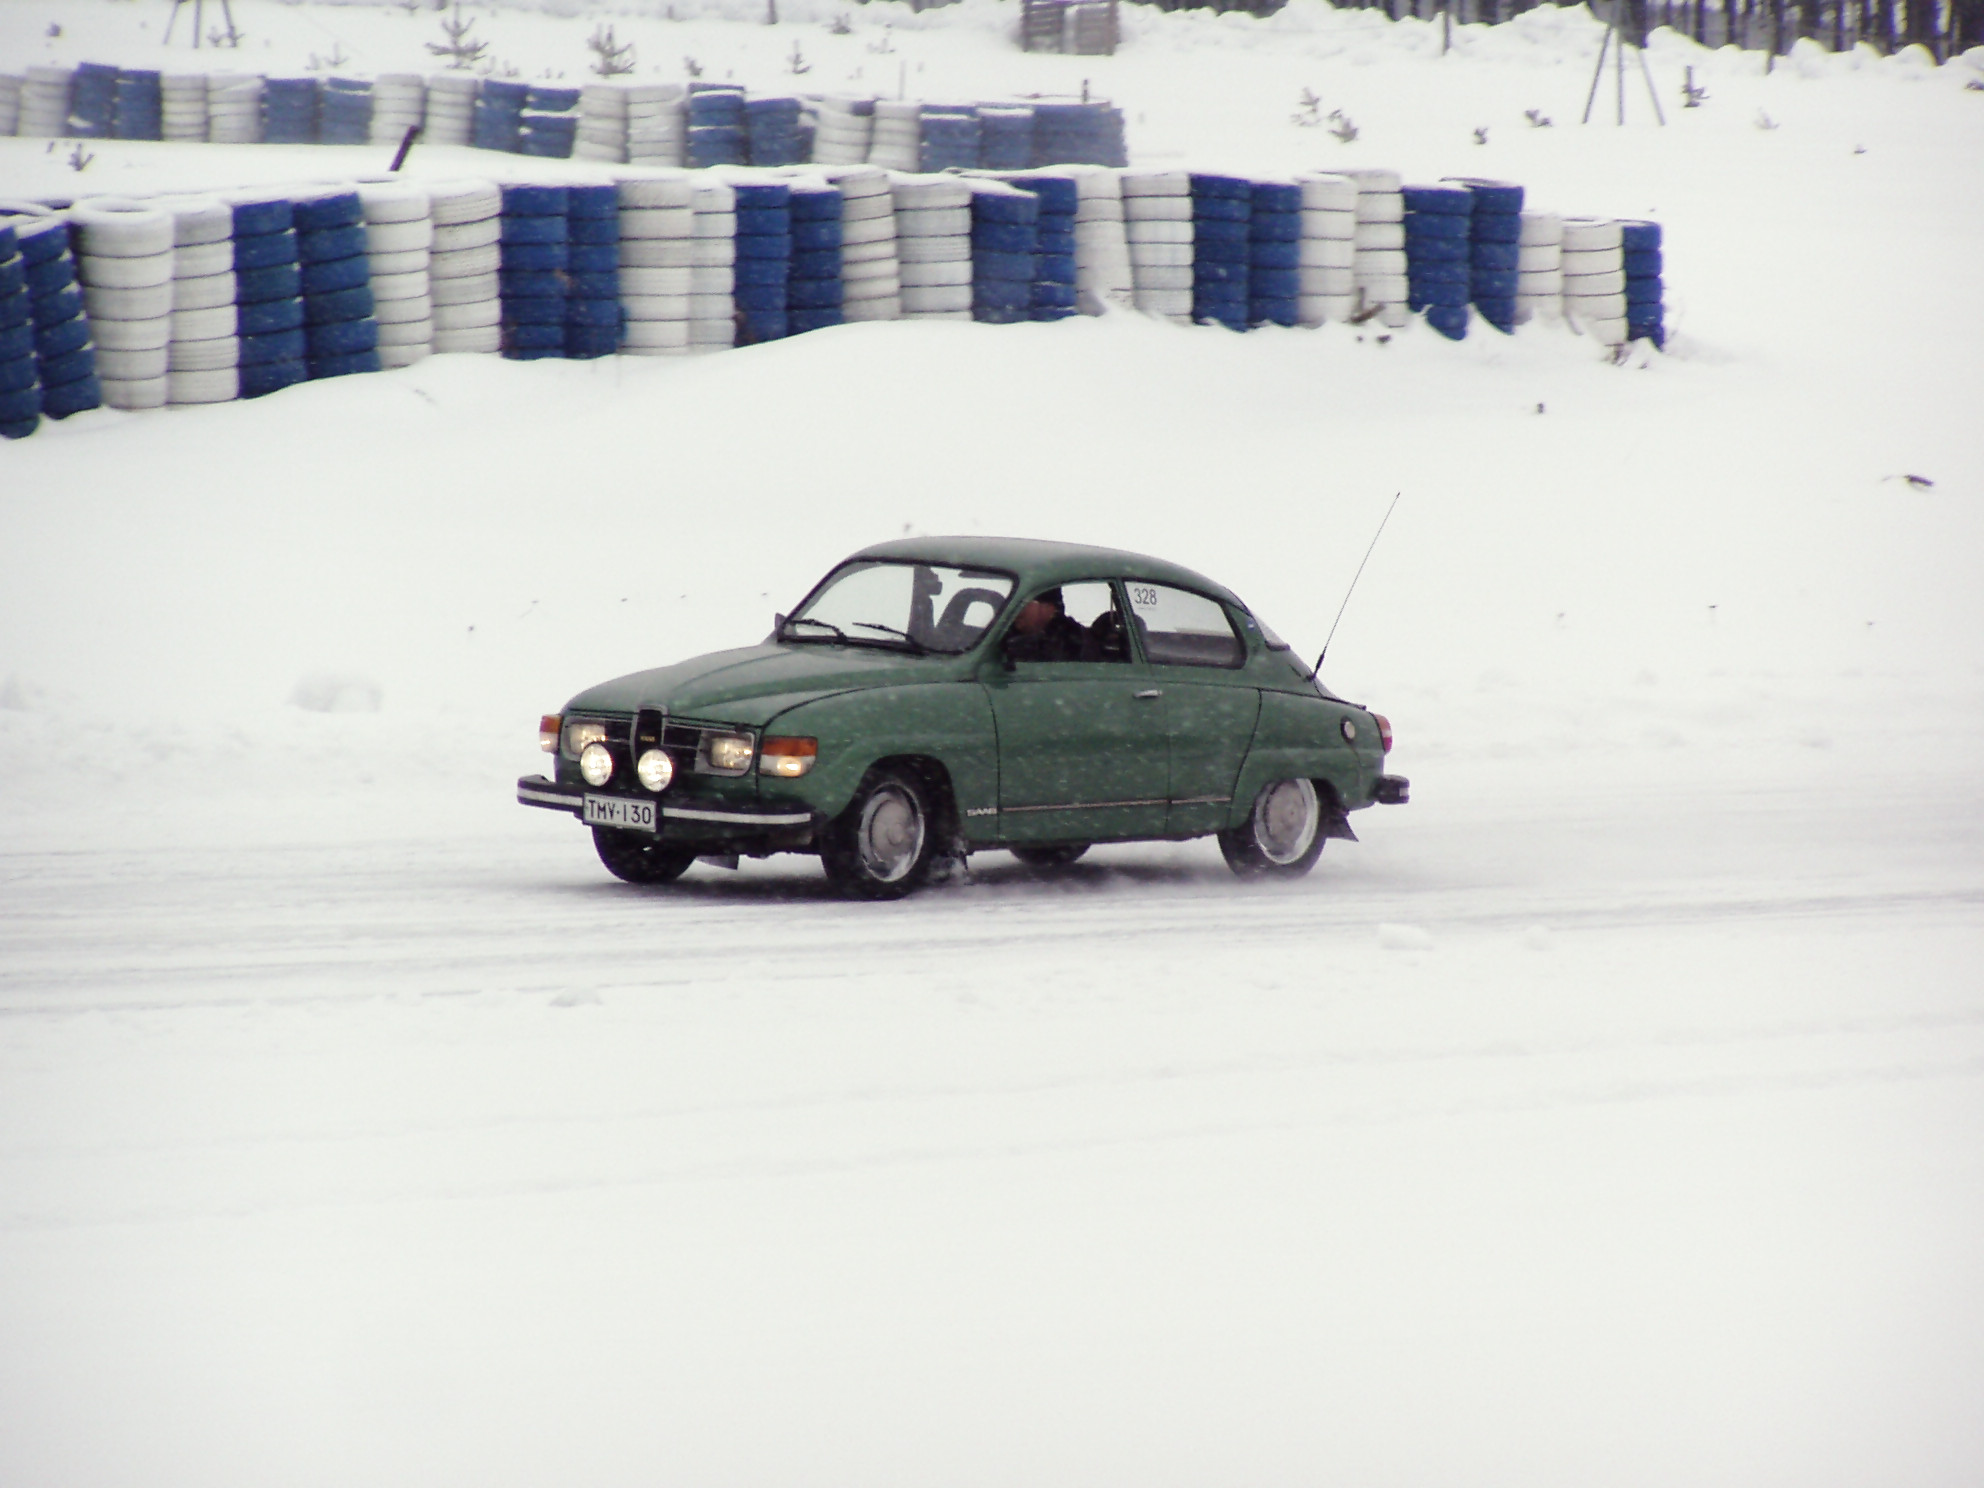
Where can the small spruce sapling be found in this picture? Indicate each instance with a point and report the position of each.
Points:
(1343, 126)
(797, 64)
(1537, 118)
(841, 25)
(611, 58)
(461, 48)
(1309, 110)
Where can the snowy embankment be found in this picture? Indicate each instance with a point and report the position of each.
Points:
(1606, 1116)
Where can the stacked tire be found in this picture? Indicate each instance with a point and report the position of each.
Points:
(234, 108)
(815, 291)
(871, 272)
(399, 103)
(124, 259)
(933, 246)
(772, 133)
(203, 358)
(92, 101)
(1221, 209)
(450, 116)
(1274, 253)
(1595, 278)
(140, 108)
(1540, 267)
(897, 142)
(1438, 224)
(657, 125)
(268, 290)
(289, 111)
(657, 245)
(949, 139)
(10, 103)
(183, 100)
(1004, 243)
(344, 114)
(592, 309)
(340, 332)
(1005, 138)
(20, 375)
(1645, 296)
(65, 354)
(712, 245)
(716, 125)
(548, 128)
(1157, 220)
(1103, 274)
(1379, 271)
(1494, 250)
(45, 102)
(1055, 270)
(1328, 251)
(1078, 134)
(462, 268)
(763, 268)
(602, 132)
(843, 129)
(536, 261)
(399, 244)
(498, 120)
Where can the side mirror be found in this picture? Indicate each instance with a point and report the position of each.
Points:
(778, 625)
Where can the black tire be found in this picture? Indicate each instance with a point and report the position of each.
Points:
(1058, 856)
(639, 858)
(1282, 836)
(884, 844)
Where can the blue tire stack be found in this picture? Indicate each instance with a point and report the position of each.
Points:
(499, 115)
(1645, 295)
(762, 287)
(1005, 138)
(536, 260)
(1005, 241)
(1222, 244)
(93, 101)
(289, 111)
(773, 133)
(65, 359)
(339, 331)
(815, 291)
(345, 112)
(1054, 270)
(268, 295)
(1439, 222)
(716, 125)
(20, 374)
(1494, 251)
(592, 309)
(1274, 253)
(1078, 134)
(549, 123)
(140, 106)
(951, 139)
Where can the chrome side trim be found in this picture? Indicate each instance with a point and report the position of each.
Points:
(1202, 801)
(1082, 806)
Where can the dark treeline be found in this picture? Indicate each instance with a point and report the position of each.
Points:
(1945, 27)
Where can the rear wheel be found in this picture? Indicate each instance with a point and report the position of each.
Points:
(639, 858)
(1058, 856)
(1282, 836)
(883, 845)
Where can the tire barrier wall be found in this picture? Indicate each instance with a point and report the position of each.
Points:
(139, 303)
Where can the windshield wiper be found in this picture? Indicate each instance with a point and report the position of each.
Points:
(839, 634)
(911, 641)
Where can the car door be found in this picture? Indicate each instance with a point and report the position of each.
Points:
(1196, 661)
(1083, 752)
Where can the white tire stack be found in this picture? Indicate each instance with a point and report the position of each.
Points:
(44, 103)
(450, 115)
(712, 261)
(462, 265)
(1379, 271)
(203, 354)
(1157, 223)
(602, 124)
(1540, 267)
(183, 101)
(1594, 262)
(10, 103)
(399, 103)
(399, 243)
(841, 136)
(234, 108)
(124, 258)
(933, 246)
(870, 270)
(896, 140)
(657, 252)
(1329, 250)
(1104, 278)
(657, 125)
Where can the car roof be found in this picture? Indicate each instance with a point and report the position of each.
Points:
(1040, 563)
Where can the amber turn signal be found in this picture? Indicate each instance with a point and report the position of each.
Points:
(787, 757)
(547, 732)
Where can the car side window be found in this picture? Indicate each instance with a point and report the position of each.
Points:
(1070, 622)
(1180, 628)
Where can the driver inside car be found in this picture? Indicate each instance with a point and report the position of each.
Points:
(1042, 631)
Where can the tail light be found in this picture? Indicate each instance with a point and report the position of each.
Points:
(547, 732)
(1384, 732)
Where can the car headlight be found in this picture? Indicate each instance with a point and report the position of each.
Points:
(579, 735)
(787, 757)
(654, 769)
(596, 763)
(728, 751)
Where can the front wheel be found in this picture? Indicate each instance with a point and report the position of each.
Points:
(1282, 836)
(883, 845)
(639, 858)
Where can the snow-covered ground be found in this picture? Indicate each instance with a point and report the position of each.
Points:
(1607, 1116)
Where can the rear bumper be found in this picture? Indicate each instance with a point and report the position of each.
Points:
(1393, 790)
(537, 790)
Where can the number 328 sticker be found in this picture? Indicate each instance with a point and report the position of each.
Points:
(1142, 596)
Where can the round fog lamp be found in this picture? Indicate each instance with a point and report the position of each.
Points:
(596, 764)
(655, 770)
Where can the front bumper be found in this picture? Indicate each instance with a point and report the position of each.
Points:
(537, 790)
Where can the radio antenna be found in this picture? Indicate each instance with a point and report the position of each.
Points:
(1317, 668)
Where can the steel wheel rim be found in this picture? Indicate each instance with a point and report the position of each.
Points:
(891, 835)
(1286, 820)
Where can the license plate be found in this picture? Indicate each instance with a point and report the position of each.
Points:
(621, 811)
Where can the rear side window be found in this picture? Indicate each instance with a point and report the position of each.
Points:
(1180, 628)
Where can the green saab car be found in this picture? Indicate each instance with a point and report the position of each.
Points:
(937, 697)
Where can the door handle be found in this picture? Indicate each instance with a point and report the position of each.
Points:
(1148, 693)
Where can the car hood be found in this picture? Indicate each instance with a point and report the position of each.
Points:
(754, 684)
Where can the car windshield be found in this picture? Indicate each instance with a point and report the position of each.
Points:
(915, 606)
